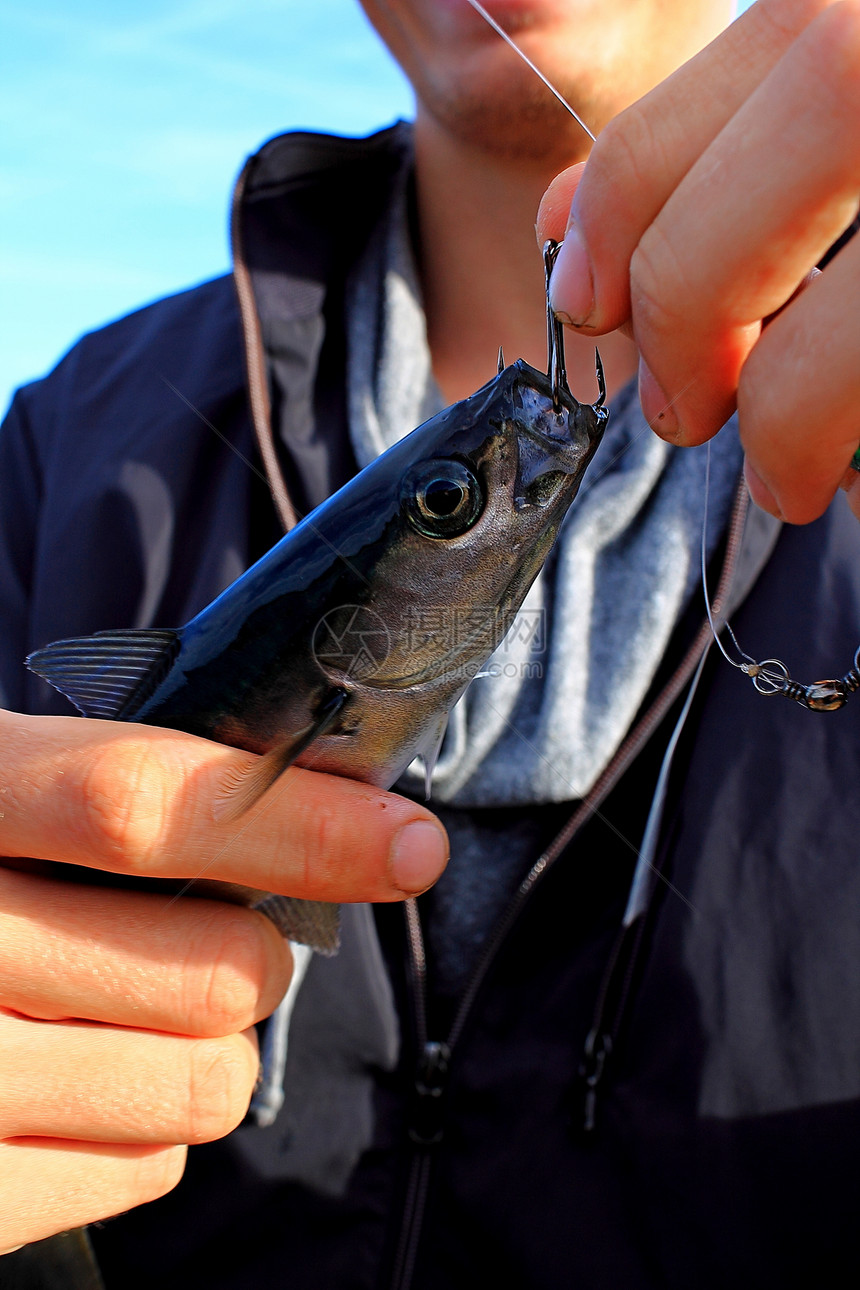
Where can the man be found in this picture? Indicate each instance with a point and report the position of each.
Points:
(663, 1098)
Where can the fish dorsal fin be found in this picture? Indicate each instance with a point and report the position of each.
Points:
(104, 673)
(245, 787)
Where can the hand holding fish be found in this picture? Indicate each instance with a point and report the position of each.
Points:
(126, 1017)
(695, 223)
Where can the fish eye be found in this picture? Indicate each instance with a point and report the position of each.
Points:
(442, 498)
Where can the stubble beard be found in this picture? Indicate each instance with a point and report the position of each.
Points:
(508, 113)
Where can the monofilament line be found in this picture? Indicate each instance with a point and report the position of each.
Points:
(479, 8)
(725, 626)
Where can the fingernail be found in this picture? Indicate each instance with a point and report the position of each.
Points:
(759, 491)
(419, 853)
(656, 408)
(571, 287)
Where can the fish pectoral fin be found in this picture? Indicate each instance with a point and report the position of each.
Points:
(107, 674)
(244, 788)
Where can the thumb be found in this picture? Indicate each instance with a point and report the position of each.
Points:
(554, 210)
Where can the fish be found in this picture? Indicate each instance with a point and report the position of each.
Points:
(321, 654)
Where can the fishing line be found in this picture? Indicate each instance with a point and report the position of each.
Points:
(725, 625)
(322, 537)
(236, 452)
(771, 676)
(274, 793)
(479, 8)
(594, 810)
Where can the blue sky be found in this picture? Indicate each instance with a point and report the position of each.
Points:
(122, 126)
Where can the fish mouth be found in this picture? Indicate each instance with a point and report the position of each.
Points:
(557, 438)
(552, 413)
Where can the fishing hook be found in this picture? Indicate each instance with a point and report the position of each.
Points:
(554, 331)
(769, 676)
(556, 370)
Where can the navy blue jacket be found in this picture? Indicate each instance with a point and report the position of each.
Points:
(713, 1052)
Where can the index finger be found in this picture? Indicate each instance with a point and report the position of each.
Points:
(141, 800)
(745, 227)
(642, 156)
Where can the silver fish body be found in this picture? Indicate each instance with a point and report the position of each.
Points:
(345, 647)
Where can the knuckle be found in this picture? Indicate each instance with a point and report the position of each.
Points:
(626, 163)
(239, 976)
(326, 846)
(338, 848)
(625, 146)
(613, 193)
(317, 842)
(156, 1173)
(832, 56)
(222, 1076)
(125, 790)
(765, 397)
(334, 845)
(614, 204)
(797, 471)
(657, 286)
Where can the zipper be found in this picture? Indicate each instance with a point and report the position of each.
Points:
(602, 1037)
(434, 1057)
(255, 361)
(617, 984)
(615, 992)
(424, 1128)
(624, 757)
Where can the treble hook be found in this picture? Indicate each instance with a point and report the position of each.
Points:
(555, 340)
(554, 331)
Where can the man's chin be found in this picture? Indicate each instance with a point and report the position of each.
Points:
(529, 126)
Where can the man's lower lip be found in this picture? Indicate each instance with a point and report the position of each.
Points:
(500, 9)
